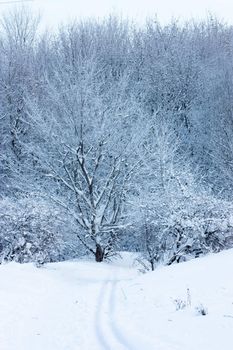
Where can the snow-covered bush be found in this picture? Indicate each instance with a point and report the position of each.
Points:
(151, 242)
(201, 310)
(180, 304)
(32, 229)
(201, 225)
(184, 228)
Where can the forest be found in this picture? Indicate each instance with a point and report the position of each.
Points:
(115, 137)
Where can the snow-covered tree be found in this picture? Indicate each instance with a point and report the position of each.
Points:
(107, 119)
(90, 138)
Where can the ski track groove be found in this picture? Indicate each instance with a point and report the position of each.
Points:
(98, 317)
(119, 335)
(106, 327)
(129, 343)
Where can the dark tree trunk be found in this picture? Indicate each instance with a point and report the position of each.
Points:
(172, 260)
(99, 253)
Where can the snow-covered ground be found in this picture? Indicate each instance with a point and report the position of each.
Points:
(83, 305)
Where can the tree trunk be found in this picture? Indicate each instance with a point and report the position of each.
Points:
(152, 264)
(99, 253)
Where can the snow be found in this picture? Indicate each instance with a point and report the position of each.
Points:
(85, 305)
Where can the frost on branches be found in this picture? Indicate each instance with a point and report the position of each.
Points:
(32, 230)
(115, 137)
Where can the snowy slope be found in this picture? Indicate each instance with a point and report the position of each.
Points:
(84, 305)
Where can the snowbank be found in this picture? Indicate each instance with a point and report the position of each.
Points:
(82, 305)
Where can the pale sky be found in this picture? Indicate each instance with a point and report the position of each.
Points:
(56, 11)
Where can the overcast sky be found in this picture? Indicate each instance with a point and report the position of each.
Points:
(55, 11)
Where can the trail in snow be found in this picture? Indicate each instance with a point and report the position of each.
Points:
(100, 324)
(80, 305)
(109, 332)
(130, 340)
(106, 330)
(117, 331)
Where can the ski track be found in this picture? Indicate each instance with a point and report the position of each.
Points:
(100, 333)
(114, 326)
(108, 333)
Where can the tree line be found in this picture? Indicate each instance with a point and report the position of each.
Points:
(115, 136)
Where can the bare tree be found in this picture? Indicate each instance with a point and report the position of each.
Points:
(92, 139)
(17, 82)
